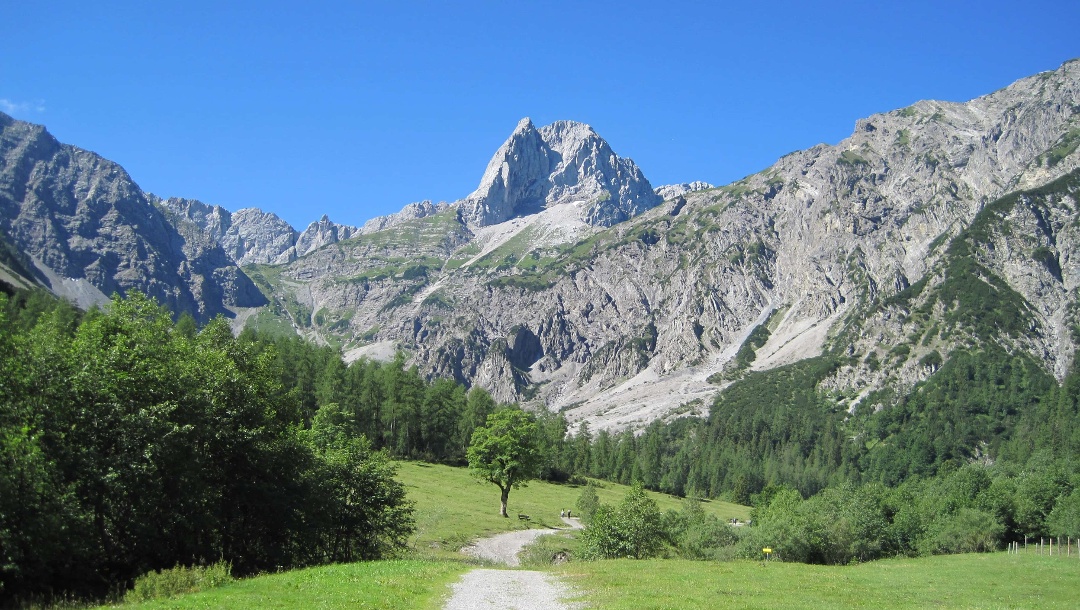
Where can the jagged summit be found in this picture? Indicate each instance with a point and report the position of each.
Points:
(565, 162)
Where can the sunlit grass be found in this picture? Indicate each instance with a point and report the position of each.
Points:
(993, 580)
(376, 584)
(454, 508)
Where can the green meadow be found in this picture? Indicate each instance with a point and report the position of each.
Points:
(989, 580)
(452, 508)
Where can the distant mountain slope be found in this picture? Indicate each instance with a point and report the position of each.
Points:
(90, 231)
(629, 323)
(564, 281)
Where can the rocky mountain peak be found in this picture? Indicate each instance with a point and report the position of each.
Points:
(524, 125)
(322, 233)
(412, 211)
(562, 163)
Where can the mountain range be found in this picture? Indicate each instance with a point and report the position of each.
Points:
(567, 280)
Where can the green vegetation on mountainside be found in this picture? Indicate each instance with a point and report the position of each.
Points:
(986, 404)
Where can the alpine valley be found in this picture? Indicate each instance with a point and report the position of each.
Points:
(567, 281)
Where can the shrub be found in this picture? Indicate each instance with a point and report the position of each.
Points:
(969, 530)
(588, 502)
(179, 581)
(1064, 519)
(699, 535)
(548, 550)
(631, 530)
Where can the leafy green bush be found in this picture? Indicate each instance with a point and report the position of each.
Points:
(1064, 519)
(969, 530)
(588, 502)
(838, 526)
(697, 534)
(630, 530)
(179, 581)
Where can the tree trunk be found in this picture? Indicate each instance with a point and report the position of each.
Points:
(505, 495)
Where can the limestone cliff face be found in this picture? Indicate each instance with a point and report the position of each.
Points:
(629, 324)
(558, 164)
(669, 192)
(565, 281)
(412, 211)
(80, 218)
(248, 236)
(252, 236)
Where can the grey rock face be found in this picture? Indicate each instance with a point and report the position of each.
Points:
(820, 238)
(252, 236)
(668, 192)
(322, 233)
(412, 211)
(558, 164)
(259, 237)
(247, 236)
(81, 217)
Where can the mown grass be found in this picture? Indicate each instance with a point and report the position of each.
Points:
(454, 508)
(996, 580)
(377, 584)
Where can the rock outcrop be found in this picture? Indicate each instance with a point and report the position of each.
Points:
(248, 236)
(561, 163)
(80, 218)
(412, 211)
(669, 192)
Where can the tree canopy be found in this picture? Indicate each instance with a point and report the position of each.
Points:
(506, 451)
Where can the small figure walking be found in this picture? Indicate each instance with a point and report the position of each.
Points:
(562, 513)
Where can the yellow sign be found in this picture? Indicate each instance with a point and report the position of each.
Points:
(766, 551)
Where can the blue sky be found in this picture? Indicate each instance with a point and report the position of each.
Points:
(354, 109)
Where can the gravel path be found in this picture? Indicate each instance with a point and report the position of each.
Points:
(510, 589)
(504, 548)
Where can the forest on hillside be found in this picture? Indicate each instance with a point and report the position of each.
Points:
(131, 442)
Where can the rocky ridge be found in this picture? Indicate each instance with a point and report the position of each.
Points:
(631, 322)
(671, 191)
(252, 236)
(562, 281)
(87, 230)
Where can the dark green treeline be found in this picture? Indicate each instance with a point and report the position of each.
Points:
(129, 443)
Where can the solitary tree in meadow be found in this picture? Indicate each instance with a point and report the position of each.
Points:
(506, 451)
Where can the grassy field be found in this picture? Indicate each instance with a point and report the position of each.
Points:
(377, 584)
(453, 508)
(994, 580)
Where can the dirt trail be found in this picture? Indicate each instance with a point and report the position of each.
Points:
(504, 548)
(511, 589)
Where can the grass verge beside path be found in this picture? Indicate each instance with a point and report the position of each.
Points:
(994, 580)
(453, 507)
(375, 584)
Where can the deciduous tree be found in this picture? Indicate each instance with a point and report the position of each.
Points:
(506, 451)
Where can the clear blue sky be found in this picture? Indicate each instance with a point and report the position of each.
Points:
(354, 109)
